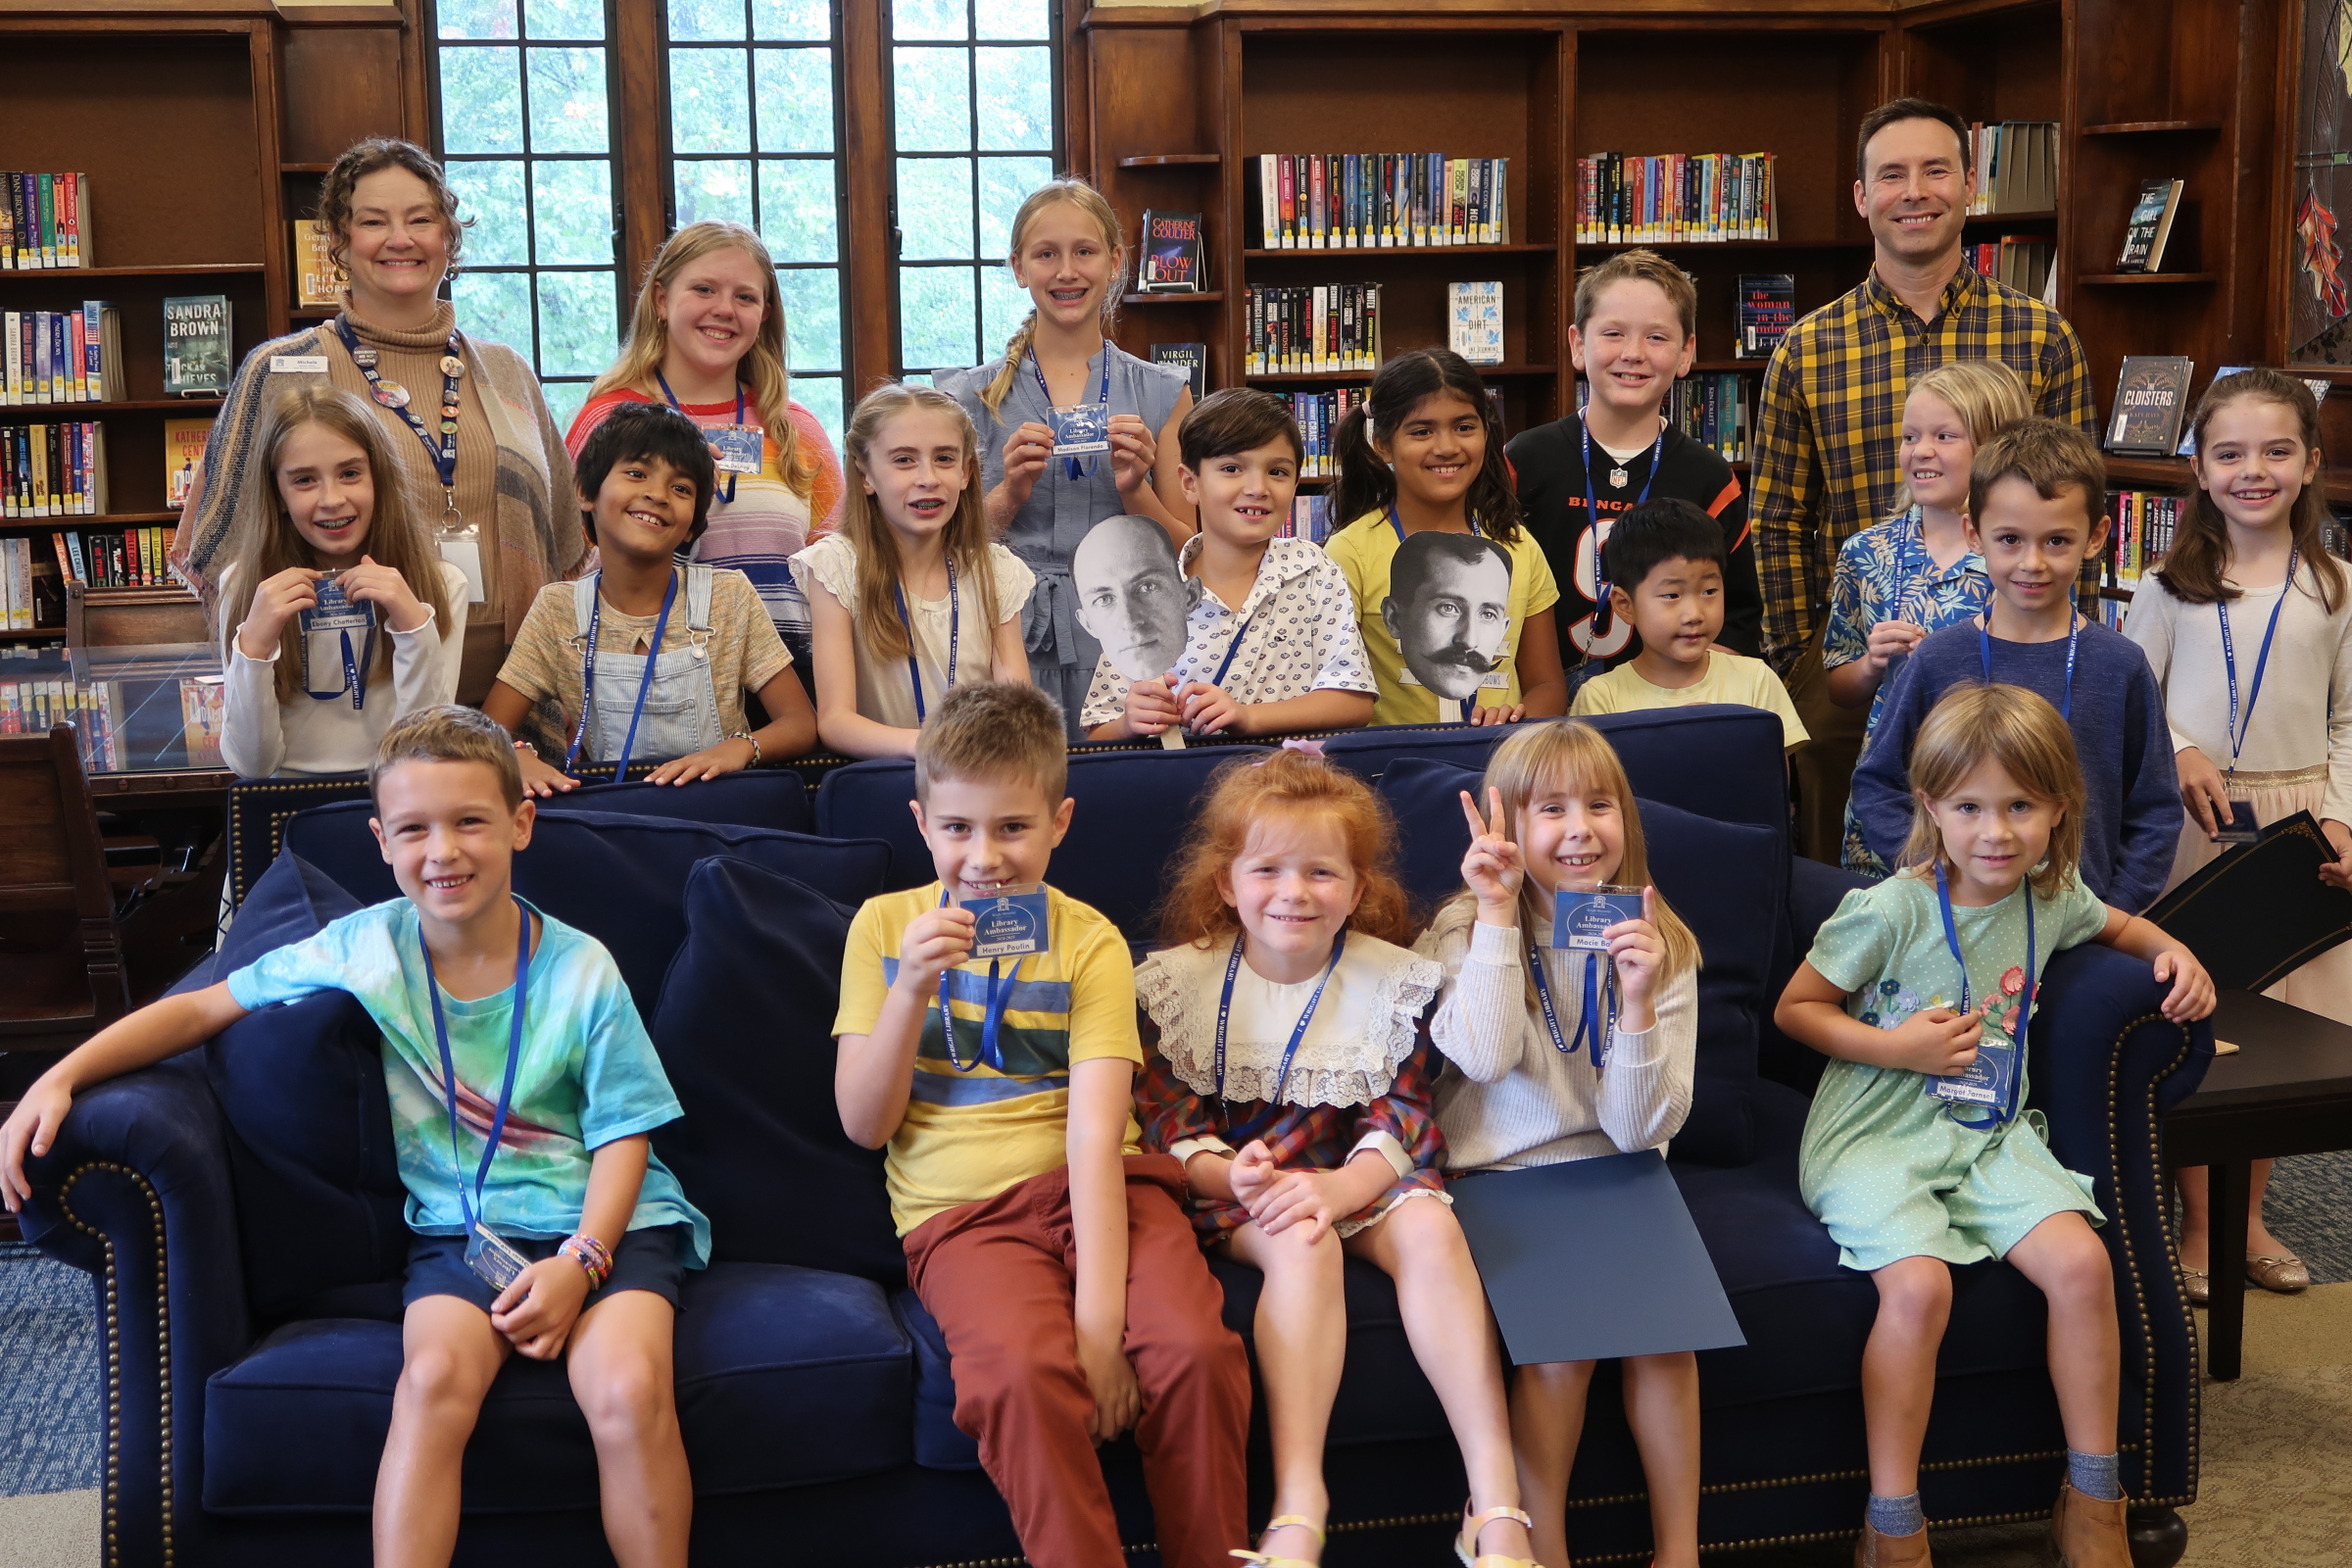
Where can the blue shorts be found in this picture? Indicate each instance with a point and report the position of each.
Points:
(650, 1259)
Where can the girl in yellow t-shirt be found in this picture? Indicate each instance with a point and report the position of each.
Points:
(1454, 600)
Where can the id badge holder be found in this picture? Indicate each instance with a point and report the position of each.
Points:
(1579, 919)
(335, 612)
(489, 1257)
(1081, 431)
(2240, 829)
(740, 447)
(1984, 1080)
(1009, 925)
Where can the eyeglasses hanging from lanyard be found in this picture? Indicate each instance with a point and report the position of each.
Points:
(1617, 480)
(1599, 1020)
(1468, 703)
(915, 672)
(2074, 630)
(1290, 1053)
(392, 395)
(2239, 732)
(1078, 468)
(2004, 1103)
(470, 1203)
(596, 617)
(728, 494)
(992, 1017)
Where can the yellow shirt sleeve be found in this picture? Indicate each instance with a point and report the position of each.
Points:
(1543, 589)
(1596, 696)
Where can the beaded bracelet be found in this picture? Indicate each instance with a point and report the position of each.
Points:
(757, 755)
(594, 1258)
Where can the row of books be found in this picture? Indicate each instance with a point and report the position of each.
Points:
(52, 471)
(2017, 165)
(116, 558)
(44, 220)
(60, 357)
(34, 706)
(1312, 328)
(2024, 262)
(1766, 309)
(39, 690)
(1367, 200)
(32, 594)
(1675, 198)
(1319, 415)
(1309, 520)
(1712, 407)
(2144, 522)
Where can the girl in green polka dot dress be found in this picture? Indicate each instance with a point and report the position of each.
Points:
(1916, 1155)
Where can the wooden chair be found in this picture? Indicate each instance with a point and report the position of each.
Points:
(62, 974)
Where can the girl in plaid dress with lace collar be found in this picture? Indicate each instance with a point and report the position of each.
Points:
(1288, 1069)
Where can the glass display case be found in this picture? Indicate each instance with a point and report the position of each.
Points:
(154, 708)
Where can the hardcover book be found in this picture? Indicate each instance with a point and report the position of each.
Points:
(1190, 357)
(1767, 311)
(2151, 396)
(2150, 227)
(314, 268)
(2259, 912)
(1171, 253)
(1474, 321)
(196, 351)
(184, 450)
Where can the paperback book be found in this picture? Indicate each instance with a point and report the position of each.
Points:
(196, 351)
(1190, 357)
(1474, 321)
(1170, 257)
(313, 267)
(1767, 310)
(2149, 230)
(184, 450)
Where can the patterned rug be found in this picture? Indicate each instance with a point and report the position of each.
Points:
(49, 1375)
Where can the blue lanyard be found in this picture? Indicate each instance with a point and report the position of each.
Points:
(2238, 734)
(1600, 1006)
(992, 1017)
(729, 493)
(596, 619)
(1079, 468)
(2074, 630)
(392, 395)
(1281, 1074)
(469, 1206)
(1601, 586)
(915, 672)
(1231, 648)
(2024, 1000)
(1469, 703)
(354, 679)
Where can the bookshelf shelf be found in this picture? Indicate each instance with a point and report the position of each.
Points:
(314, 313)
(1204, 296)
(44, 274)
(2120, 279)
(2044, 217)
(1861, 244)
(1158, 160)
(2151, 127)
(2148, 471)
(32, 631)
(1403, 250)
(1256, 377)
(79, 410)
(1698, 367)
(102, 519)
(303, 168)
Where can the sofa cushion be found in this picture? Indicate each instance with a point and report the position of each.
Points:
(1133, 809)
(1806, 1317)
(1717, 876)
(765, 796)
(621, 879)
(744, 1030)
(301, 1088)
(786, 1377)
(1743, 777)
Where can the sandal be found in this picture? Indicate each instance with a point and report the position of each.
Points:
(1276, 1523)
(2197, 1285)
(2284, 1275)
(1465, 1545)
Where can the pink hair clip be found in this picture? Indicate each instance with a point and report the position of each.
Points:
(1304, 747)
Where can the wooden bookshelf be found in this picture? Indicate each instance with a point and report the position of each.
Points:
(204, 129)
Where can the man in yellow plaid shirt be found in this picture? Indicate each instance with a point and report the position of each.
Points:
(1829, 416)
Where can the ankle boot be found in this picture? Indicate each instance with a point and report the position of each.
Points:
(2089, 1532)
(1875, 1550)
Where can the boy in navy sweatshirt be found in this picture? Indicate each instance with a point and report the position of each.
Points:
(2035, 513)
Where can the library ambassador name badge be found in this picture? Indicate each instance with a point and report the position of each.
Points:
(1009, 925)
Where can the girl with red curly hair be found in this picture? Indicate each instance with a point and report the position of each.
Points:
(1289, 1075)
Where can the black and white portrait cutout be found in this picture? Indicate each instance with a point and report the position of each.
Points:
(1131, 598)
(1449, 609)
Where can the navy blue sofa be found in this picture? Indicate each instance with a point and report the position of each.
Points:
(242, 1213)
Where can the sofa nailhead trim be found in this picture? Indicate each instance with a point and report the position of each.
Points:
(114, 1356)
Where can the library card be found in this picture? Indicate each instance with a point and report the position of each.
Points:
(1580, 919)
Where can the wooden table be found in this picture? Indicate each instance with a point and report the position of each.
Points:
(2286, 1091)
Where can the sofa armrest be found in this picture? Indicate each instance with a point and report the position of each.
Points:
(2106, 1067)
(137, 1191)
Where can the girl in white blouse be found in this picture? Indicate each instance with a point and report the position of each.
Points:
(1519, 1092)
(909, 598)
(335, 616)
(2248, 627)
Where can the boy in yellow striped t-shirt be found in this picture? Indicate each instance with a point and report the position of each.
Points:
(1033, 1228)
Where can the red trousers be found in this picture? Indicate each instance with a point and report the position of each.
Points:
(999, 1277)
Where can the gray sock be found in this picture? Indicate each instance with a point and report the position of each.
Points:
(2095, 1475)
(1896, 1516)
